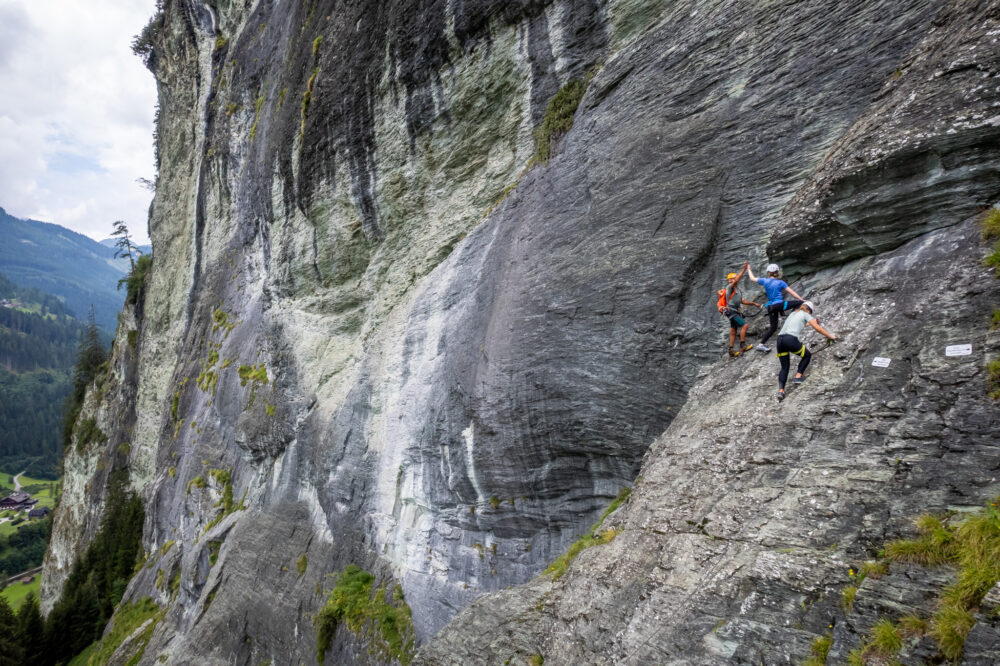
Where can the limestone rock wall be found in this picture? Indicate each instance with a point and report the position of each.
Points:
(395, 340)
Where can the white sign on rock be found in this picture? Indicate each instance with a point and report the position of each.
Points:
(881, 362)
(958, 350)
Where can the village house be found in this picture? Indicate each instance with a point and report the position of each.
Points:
(18, 501)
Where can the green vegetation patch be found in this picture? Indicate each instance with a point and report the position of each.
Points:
(209, 378)
(135, 281)
(99, 578)
(991, 230)
(126, 620)
(991, 224)
(993, 377)
(253, 373)
(302, 563)
(385, 623)
(88, 433)
(307, 98)
(818, 650)
(973, 548)
(213, 552)
(197, 482)
(256, 117)
(221, 322)
(223, 477)
(133, 338)
(16, 593)
(589, 540)
(558, 119)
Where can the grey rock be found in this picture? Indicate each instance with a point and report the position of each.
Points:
(461, 375)
(919, 160)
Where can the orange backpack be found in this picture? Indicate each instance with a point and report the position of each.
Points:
(722, 299)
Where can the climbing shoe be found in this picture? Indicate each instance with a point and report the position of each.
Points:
(799, 380)
(762, 348)
(781, 395)
(747, 348)
(732, 353)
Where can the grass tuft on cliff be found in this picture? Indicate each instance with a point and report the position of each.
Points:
(385, 623)
(558, 119)
(973, 548)
(590, 539)
(991, 224)
(126, 620)
(818, 650)
(991, 230)
(993, 378)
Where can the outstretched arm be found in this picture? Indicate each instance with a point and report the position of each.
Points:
(812, 322)
(792, 292)
(739, 276)
(753, 278)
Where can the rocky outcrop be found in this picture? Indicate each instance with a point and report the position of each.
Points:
(922, 157)
(750, 515)
(378, 332)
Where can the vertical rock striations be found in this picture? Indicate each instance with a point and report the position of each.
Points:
(378, 332)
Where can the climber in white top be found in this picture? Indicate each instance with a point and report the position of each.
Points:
(789, 343)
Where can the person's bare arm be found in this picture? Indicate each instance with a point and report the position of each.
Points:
(814, 324)
(797, 297)
(746, 302)
(753, 278)
(739, 276)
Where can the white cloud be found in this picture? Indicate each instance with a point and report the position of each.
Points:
(76, 113)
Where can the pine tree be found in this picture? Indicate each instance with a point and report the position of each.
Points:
(124, 247)
(10, 649)
(91, 355)
(31, 631)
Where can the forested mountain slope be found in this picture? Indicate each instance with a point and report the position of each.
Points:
(69, 265)
(38, 347)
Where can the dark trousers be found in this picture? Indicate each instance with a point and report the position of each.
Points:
(774, 311)
(789, 344)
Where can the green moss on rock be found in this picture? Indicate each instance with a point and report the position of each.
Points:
(385, 623)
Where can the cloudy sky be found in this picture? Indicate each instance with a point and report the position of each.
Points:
(76, 113)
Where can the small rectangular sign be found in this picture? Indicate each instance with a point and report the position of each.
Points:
(958, 350)
(880, 362)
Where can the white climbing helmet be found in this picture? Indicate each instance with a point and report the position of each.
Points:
(809, 304)
(773, 268)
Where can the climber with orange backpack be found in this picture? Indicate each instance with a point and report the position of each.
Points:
(730, 300)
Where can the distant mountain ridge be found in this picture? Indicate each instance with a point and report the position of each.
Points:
(78, 269)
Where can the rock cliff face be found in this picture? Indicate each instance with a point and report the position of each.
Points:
(403, 343)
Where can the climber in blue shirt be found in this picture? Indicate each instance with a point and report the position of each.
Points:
(775, 289)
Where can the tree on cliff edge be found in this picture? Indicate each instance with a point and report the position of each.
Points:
(124, 247)
(91, 355)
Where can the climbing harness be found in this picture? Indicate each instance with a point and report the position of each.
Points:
(800, 352)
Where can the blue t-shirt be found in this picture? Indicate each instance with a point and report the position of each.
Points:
(774, 289)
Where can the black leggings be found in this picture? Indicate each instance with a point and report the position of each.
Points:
(773, 311)
(789, 344)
